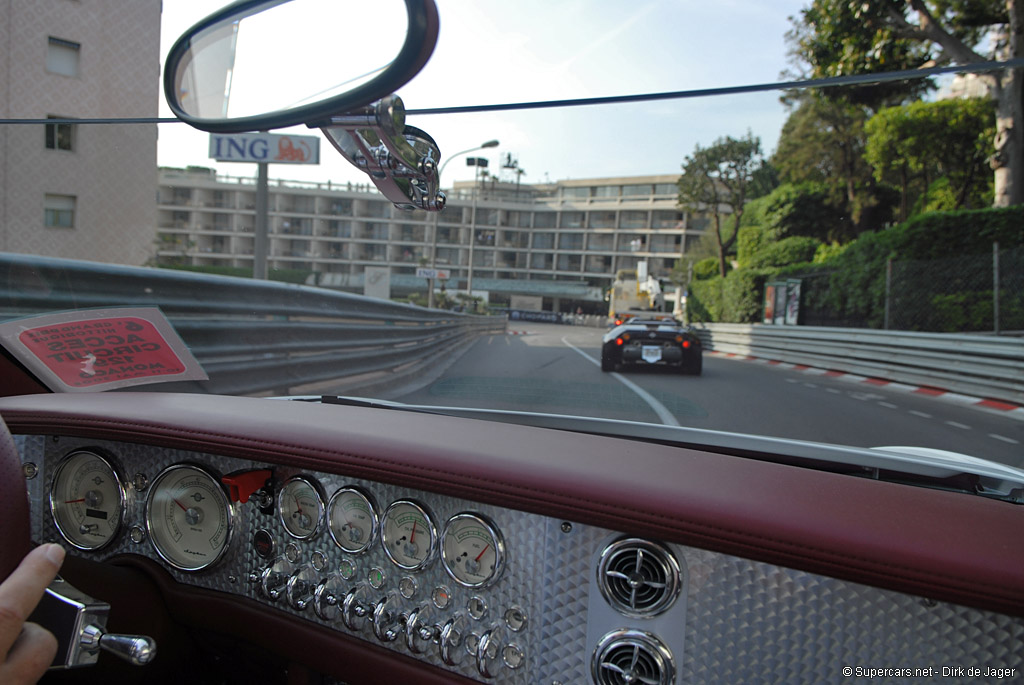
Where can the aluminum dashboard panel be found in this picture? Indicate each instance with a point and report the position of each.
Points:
(735, 620)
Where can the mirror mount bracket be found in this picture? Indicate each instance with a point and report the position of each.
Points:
(402, 161)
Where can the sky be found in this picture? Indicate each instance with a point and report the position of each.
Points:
(495, 51)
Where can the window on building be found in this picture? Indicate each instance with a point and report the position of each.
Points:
(666, 189)
(59, 211)
(602, 219)
(544, 220)
(576, 193)
(62, 56)
(606, 191)
(637, 190)
(59, 136)
(572, 219)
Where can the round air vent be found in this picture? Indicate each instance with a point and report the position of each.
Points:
(638, 578)
(631, 657)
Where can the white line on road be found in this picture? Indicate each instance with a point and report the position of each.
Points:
(833, 391)
(664, 414)
(888, 405)
(956, 424)
(920, 413)
(1004, 439)
(810, 385)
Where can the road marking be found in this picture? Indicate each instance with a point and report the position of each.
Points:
(833, 391)
(1004, 439)
(888, 405)
(920, 413)
(810, 385)
(664, 414)
(792, 380)
(956, 424)
(490, 339)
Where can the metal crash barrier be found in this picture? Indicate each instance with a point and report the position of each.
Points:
(256, 337)
(982, 366)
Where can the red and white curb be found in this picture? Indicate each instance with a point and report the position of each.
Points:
(518, 332)
(1014, 411)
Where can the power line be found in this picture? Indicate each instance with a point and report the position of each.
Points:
(833, 81)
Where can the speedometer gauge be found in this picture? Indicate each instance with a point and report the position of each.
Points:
(408, 535)
(189, 517)
(352, 519)
(87, 500)
(301, 507)
(472, 550)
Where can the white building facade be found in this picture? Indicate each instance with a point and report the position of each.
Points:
(561, 241)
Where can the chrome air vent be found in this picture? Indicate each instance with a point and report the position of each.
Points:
(638, 578)
(632, 656)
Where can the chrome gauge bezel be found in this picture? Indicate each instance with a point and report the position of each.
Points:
(431, 530)
(56, 506)
(496, 538)
(318, 491)
(227, 508)
(374, 518)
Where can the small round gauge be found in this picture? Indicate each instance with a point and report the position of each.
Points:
(189, 517)
(352, 519)
(301, 507)
(472, 550)
(408, 535)
(87, 500)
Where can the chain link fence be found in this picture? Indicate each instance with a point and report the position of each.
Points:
(972, 293)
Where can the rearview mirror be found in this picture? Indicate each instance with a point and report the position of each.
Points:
(265, 64)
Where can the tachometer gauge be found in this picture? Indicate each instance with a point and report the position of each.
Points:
(472, 550)
(87, 500)
(301, 507)
(352, 519)
(408, 535)
(189, 517)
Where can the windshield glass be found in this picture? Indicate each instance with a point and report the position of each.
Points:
(846, 264)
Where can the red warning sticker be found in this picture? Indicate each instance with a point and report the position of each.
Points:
(101, 349)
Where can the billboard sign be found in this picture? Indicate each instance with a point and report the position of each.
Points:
(265, 147)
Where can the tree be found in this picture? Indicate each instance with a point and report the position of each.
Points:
(717, 179)
(839, 37)
(904, 146)
(822, 143)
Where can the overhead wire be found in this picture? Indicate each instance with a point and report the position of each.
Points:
(804, 84)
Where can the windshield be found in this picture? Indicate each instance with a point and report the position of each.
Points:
(846, 263)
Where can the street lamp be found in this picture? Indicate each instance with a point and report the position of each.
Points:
(437, 216)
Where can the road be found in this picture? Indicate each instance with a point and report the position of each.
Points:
(554, 368)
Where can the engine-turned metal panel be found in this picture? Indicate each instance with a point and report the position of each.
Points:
(544, 617)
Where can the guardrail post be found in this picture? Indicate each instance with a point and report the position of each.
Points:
(888, 290)
(995, 287)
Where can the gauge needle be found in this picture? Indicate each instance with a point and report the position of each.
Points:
(74, 501)
(482, 552)
(183, 507)
(298, 505)
(412, 536)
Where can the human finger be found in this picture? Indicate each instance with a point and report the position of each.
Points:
(22, 590)
(29, 656)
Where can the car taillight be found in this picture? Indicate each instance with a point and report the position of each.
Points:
(686, 344)
(618, 322)
(618, 341)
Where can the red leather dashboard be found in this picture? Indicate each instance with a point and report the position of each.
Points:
(941, 545)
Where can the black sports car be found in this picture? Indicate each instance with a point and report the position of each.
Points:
(651, 342)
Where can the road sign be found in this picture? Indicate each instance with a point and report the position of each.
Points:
(443, 274)
(265, 147)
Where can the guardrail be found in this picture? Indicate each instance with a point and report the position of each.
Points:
(982, 366)
(255, 337)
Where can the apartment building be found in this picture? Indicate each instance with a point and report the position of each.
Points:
(561, 241)
(75, 190)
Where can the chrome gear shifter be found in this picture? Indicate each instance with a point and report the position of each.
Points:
(79, 623)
